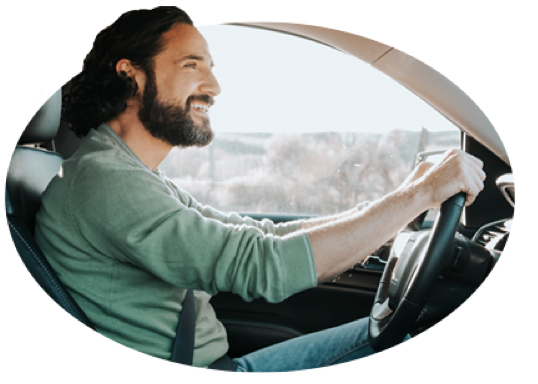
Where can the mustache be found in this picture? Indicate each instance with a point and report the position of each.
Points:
(209, 100)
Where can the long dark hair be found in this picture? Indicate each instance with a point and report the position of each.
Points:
(98, 93)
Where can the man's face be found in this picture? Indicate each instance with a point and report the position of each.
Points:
(180, 91)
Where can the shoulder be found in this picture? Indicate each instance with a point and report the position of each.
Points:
(101, 174)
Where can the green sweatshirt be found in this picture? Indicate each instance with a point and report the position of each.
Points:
(127, 243)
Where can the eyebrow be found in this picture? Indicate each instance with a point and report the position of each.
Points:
(191, 57)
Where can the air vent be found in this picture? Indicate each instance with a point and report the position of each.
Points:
(506, 186)
(491, 235)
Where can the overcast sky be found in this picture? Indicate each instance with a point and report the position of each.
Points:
(273, 82)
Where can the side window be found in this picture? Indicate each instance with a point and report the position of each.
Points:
(302, 128)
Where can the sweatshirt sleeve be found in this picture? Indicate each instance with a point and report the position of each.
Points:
(135, 217)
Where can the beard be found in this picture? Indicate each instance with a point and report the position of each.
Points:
(172, 123)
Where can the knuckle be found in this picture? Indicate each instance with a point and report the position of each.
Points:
(424, 166)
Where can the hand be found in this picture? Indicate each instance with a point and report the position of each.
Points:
(417, 173)
(456, 172)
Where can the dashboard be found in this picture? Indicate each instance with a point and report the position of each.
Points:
(493, 236)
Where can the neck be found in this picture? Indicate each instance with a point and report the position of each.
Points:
(149, 149)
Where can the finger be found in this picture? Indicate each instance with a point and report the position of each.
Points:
(478, 171)
(474, 163)
(476, 168)
(465, 156)
(471, 194)
(474, 186)
(475, 160)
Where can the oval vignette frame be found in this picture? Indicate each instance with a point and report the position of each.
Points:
(79, 360)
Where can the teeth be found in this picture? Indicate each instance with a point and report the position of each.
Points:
(201, 107)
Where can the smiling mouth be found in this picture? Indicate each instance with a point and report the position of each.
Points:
(198, 106)
(200, 103)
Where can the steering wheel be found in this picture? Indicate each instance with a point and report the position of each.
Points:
(415, 263)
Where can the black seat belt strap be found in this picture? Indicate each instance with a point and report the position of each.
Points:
(183, 347)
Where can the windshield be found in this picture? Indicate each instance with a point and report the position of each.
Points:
(303, 128)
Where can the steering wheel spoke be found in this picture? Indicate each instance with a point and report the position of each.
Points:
(411, 271)
(381, 311)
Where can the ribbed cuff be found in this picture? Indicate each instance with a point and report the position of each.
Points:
(298, 267)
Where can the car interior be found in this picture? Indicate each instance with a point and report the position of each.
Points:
(468, 241)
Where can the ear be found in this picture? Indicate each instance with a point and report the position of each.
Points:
(125, 66)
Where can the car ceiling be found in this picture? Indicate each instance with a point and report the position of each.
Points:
(424, 81)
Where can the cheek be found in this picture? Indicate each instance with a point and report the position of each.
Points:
(140, 83)
(176, 90)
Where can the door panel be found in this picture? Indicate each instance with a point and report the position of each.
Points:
(258, 324)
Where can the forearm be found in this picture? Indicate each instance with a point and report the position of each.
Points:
(317, 221)
(340, 244)
(343, 243)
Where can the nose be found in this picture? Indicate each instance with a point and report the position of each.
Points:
(210, 86)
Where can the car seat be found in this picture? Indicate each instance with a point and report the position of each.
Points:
(30, 171)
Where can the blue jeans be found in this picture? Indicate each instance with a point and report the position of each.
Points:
(328, 347)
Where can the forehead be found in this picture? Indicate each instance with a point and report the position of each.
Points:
(184, 40)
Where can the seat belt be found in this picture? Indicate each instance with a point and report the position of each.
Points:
(183, 347)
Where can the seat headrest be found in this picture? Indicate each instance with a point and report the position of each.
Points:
(45, 123)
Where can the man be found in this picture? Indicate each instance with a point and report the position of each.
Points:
(128, 243)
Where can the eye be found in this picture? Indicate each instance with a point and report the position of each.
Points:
(191, 65)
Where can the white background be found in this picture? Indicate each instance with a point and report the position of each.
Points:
(485, 48)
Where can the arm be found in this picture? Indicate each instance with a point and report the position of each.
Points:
(318, 221)
(134, 218)
(339, 244)
(417, 173)
(234, 218)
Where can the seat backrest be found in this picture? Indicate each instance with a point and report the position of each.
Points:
(30, 171)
